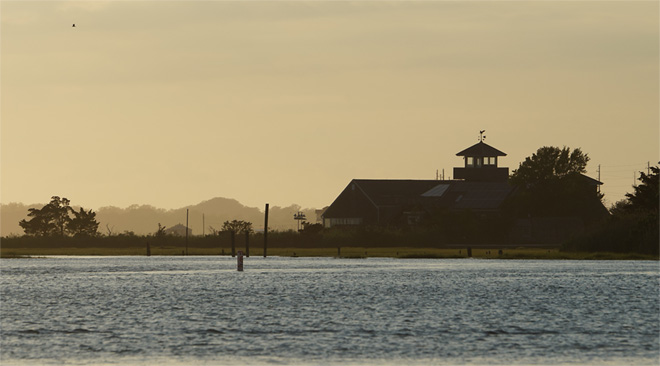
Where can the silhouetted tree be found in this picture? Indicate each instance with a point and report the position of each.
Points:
(551, 183)
(50, 220)
(633, 225)
(237, 226)
(309, 228)
(646, 197)
(214, 231)
(161, 231)
(550, 163)
(620, 207)
(54, 220)
(83, 223)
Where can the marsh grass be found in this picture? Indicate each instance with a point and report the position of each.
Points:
(346, 252)
(6, 255)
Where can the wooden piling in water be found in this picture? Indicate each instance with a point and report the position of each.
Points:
(148, 250)
(239, 261)
(469, 252)
(339, 252)
(186, 231)
(233, 243)
(266, 231)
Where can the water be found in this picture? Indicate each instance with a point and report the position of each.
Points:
(200, 310)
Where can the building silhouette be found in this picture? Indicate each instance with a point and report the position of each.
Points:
(480, 187)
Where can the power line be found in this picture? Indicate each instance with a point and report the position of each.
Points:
(622, 166)
(623, 170)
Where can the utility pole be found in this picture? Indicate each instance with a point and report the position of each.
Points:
(599, 178)
(266, 231)
(186, 231)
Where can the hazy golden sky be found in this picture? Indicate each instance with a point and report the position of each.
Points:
(171, 103)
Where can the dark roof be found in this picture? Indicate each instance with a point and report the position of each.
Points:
(481, 149)
(394, 192)
(388, 197)
(591, 181)
(479, 195)
(432, 195)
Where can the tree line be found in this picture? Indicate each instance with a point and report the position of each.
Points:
(550, 183)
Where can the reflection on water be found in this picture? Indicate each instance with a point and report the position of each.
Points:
(181, 310)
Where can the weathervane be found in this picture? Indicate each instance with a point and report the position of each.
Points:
(481, 136)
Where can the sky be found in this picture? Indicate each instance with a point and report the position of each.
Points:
(175, 102)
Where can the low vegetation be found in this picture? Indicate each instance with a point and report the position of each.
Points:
(337, 252)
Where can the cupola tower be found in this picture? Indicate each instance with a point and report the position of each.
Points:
(481, 162)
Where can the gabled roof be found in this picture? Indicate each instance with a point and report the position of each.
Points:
(591, 181)
(394, 192)
(390, 197)
(481, 149)
(448, 194)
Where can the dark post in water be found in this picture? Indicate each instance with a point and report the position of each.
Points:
(239, 261)
(233, 243)
(186, 231)
(148, 250)
(469, 252)
(247, 244)
(266, 232)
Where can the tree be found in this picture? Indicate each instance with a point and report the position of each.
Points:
(551, 183)
(633, 225)
(83, 223)
(50, 220)
(53, 220)
(646, 197)
(161, 231)
(550, 163)
(39, 225)
(237, 226)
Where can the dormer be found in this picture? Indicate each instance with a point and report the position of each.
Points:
(481, 162)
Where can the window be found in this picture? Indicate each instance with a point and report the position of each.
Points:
(469, 161)
(491, 160)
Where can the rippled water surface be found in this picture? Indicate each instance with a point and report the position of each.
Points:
(183, 310)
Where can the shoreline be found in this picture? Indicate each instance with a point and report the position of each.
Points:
(343, 252)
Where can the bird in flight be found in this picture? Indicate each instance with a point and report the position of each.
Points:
(74, 25)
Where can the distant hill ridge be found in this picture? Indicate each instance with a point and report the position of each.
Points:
(144, 219)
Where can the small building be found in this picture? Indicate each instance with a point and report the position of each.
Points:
(178, 230)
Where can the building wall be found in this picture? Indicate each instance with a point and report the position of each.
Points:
(482, 174)
(352, 207)
(546, 230)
